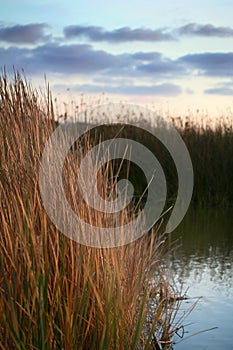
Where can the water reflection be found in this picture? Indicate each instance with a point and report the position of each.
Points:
(204, 263)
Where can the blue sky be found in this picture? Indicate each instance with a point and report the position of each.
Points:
(176, 55)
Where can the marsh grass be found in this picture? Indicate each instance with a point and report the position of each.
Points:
(210, 145)
(211, 149)
(54, 292)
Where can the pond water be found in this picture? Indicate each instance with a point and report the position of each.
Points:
(204, 264)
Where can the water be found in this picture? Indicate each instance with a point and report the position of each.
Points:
(204, 263)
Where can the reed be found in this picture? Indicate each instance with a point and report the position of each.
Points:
(210, 145)
(211, 149)
(54, 292)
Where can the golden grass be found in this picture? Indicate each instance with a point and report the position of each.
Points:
(54, 292)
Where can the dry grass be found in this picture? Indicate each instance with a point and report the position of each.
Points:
(54, 292)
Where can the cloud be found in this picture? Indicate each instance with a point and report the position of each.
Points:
(35, 32)
(13, 57)
(206, 30)
(147, 56)
(160, 65)
(224, 91)
(126, 34)
(66, 59)
(74, 58)
(150, 64)
(83, 59)
(120, 35)
(159, 89)
(210, 64)
(140, 73)
(24, 34)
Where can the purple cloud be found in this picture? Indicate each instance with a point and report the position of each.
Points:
(158, 64)
(119, 35)
(224, 91)
(84, 59)
(210, 63)
(207, 30)
(24, 34)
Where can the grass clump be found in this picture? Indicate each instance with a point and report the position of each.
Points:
(54, 292)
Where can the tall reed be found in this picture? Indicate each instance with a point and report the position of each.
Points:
(54, 292)
(210, 145)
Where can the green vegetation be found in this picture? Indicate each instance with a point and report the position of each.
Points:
(54, 292)
(210, 148)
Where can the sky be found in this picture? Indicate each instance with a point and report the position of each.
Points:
(176, 56)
